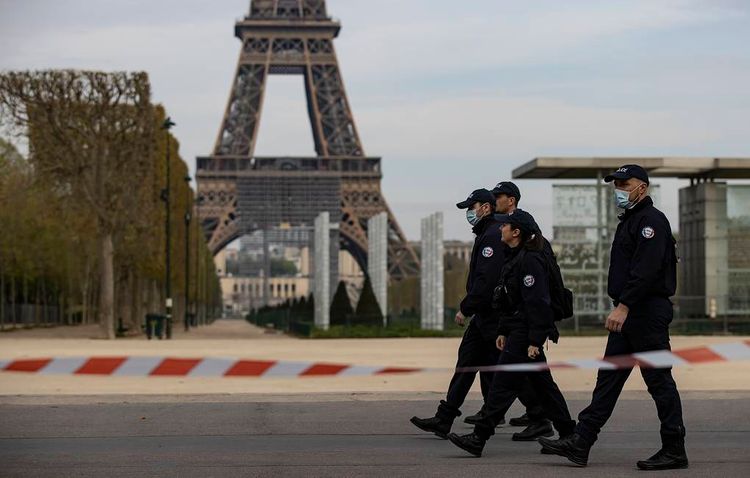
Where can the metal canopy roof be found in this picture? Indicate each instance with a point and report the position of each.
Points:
(676, 167)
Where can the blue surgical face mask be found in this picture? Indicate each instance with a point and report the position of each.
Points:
(473, 217)
(622, 199)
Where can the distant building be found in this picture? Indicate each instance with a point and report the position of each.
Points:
(242, 278)
(242, 294)
(459, 249)
(715, 249)
(583, 254)
(714, 229)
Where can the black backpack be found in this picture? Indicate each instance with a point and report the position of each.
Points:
(561, 297)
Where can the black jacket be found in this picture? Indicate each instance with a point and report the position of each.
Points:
(643, 260)
(487, 259)
(528, 305)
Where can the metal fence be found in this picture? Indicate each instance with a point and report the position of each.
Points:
(586, 323)
(722, 315)
(33, 315)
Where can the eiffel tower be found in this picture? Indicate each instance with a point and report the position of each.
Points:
(239, 193)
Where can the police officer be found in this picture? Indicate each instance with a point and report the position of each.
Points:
(642, 277)
(507, 195)
(526, 322)
(478, 343)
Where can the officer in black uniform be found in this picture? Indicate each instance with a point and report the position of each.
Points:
(526, 322)
(507, 196)
(478, 343)
(642, 277)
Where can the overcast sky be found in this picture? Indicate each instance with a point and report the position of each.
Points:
(453, 95)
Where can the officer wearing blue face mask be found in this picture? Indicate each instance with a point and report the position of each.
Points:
(507, 196)
(478, 344)
(642, 278)
(526, 321)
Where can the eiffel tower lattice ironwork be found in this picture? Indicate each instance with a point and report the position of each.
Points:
(239, 193)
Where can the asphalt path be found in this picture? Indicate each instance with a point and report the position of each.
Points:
(352, 435)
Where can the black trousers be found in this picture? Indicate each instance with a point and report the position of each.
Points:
(527, 396)
(477, 348)
(645, 329)
(506, 387)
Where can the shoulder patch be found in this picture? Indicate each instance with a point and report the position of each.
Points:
(488, 251)
(529, 280)
(647, 232)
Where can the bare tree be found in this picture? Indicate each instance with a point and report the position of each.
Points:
(92, 136)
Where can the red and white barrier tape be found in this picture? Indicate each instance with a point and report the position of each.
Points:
(229, 367)
(656, 359)
(191, 367)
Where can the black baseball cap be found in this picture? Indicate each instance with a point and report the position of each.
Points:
(628, 171)
(520, 219)
(478, 195)
(507, 188)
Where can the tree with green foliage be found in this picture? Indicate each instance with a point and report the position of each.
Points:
(368, 311)
(341, 306)
(84, 209)
(456, 271)
(307, 309)
(91, 136)
(282, 268)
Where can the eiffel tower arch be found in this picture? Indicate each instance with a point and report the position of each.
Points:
(239, 193)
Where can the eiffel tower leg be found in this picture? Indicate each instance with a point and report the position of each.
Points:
(217, 212)
(217, 196)
(335, 134)
(362, 199)
(240, 125)
(402, 260)
(334, 131)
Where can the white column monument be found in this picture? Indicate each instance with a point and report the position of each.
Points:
(322, 272)
(377, 259)
(431, 277)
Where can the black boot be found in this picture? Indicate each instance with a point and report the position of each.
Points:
(522, 421)
(477, 417)
(672, 456)
(472, 442)
(474, 419)
(542, 428)
(572, 447)
(433, 425)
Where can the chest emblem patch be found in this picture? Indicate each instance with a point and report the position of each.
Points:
(487, 252)
(529, 280)
(647, 232)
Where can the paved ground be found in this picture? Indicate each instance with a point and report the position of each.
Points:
(334, 426)
(331, 435)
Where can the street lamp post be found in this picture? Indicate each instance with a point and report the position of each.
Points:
(187, 253)
(166, 126)
(197, 301)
